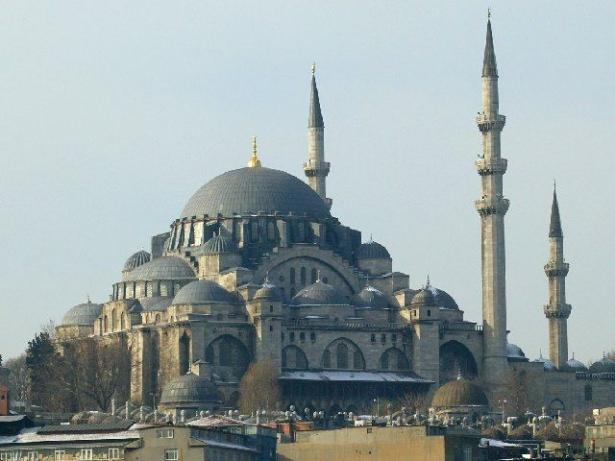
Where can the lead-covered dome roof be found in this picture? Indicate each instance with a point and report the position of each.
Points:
(136, 260)
(515, 353)
(604, 365)
(82, 314)
(203, 292)
(370, 297)
(269, 292)
(189, 390)
(460, 392)
(372, 250)
(219, 244)
(576, 365)
(250, 190)
(319, 293)
(163, 268)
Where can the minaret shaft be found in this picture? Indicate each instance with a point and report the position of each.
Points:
(557, 310)
(492, 207)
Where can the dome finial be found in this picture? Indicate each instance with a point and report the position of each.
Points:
(254, 160)
(313, 68)
(427, 282)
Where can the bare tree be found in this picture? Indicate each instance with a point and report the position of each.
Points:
(259, 387)
(413, 401)
(19, 385)
(517, 393)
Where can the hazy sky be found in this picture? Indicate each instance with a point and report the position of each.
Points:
(113, 113)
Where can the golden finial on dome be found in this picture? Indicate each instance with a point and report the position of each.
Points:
(254, 160)
(313, 68)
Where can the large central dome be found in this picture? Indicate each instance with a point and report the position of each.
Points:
(250, 190)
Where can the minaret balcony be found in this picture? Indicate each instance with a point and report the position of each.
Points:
(556, 268)
(487, 122)
(487, 206)
(316, 168)
(489, 166)
(558, 311)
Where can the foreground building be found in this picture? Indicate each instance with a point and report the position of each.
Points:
(256, 267)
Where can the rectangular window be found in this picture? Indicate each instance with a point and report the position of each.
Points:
(114, 453)
(164, 433)
(171, 455)
(86, 454)
(59, 455)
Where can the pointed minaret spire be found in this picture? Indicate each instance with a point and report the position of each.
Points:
(555, 227)
(316, 169)
(490, 68)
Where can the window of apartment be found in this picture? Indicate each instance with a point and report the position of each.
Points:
(171, 454)
(114, 453)
(166, 433)
(59, 455)
(86, 454)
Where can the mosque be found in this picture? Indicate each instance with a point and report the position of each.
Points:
(256, 267)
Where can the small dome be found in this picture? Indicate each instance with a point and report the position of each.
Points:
(515, 353)
(202, 292)
(319, 293)
(605, 365)
(136, 260)
(424, 297)
(189, 390)
(82, 314)
(219, 244)
(269, 292)
(442, 298)
(549, 365)
(460, 392)
(370, 297)
(163, 268)
(372, 250)
(576, 365)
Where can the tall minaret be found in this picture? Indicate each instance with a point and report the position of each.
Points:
(557, 311)
(316, 169)
(492, 207)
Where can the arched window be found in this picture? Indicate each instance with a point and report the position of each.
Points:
(294, 358)
(342, 355)
(326, 359)
(106, 322)
(184, 354)
(314, 275)
(271, 231)
(157, 318)
(122, 321)
(588, 393)
(228, 351)
(113, 320)
(394, 359)
(357, 360)
(292, 276)
(303, 276)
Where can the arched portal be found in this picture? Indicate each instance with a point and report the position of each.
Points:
(456, 359)
(394, 359)
(343, 354)
(294, 358)
(229, 357)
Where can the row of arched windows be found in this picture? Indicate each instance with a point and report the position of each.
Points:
(130, 290)
(113, 322)
(343, 354)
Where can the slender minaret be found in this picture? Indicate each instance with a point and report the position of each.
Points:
(316, 169)
(557, 311)
(492, 207)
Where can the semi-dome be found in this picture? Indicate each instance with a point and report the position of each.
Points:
(250, 190)
(576, 365)
(319, 293)
(219, 244)
(515, 353)
(372, 250)
(269, 292)
(163, 268)
(190, 391)
(136, 260)
(82, 314)
(604, 365)
(370, 297)
(202, 292)
(458, 393)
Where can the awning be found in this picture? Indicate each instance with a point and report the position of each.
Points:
(353, 376)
